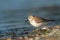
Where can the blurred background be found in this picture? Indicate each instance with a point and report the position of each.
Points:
(13, 13)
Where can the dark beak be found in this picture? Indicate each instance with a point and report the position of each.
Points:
(26, 20)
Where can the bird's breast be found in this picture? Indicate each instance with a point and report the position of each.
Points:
(35, 24)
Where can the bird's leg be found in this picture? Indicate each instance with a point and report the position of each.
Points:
(37, 28)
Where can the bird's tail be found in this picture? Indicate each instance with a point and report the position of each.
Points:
(51, 20)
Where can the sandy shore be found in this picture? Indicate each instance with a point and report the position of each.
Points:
(52, 33)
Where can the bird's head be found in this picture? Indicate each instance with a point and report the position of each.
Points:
(30, 17)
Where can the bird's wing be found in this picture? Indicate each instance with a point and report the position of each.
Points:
(39, 19)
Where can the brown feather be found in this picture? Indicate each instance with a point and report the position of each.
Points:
(39, 19)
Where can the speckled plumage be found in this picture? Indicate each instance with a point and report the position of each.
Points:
(37, 21)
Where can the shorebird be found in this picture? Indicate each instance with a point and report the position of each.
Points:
(37, 21)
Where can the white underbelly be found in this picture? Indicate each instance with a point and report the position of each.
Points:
(35, 24)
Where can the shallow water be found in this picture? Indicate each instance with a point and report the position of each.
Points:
(12, 19)
(14, 13)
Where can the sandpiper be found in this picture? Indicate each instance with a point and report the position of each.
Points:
(37, 21)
